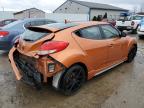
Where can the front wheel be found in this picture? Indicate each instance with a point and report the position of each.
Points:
(132, 54)
(134, 31)
(72, 80)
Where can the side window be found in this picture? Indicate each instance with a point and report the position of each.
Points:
(109, 31)
(49, 22)
(90, 33)
(7, 22)
(37, 23)
(34, 23)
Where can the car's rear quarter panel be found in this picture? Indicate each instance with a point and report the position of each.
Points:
(72, 54)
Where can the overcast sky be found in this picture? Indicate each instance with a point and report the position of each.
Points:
(50, 5)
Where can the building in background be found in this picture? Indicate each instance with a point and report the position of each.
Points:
(6, 15)
(29, 13)
(90, 8)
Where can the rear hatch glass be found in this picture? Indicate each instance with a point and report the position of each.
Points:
(123, 19)
(34, 34)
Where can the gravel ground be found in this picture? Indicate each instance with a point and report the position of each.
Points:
(121, 87)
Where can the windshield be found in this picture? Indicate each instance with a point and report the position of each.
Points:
(14, 25)
(123, 18)
(33, 34)
(137, 17)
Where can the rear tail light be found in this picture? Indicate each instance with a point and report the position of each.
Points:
(132, 23)
(52, 47)
(3, 33)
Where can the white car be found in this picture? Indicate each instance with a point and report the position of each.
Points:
(136, 21)
(140, 29)
(124, 23)
(131, 23)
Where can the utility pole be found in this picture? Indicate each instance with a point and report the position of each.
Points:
(1, 6)
(135, 9)
(3, 9)
(29, 14)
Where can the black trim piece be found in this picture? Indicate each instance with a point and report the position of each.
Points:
(27, 67)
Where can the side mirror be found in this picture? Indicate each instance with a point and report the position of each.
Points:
(123, 34)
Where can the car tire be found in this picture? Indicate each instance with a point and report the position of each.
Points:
(134, 31)
(132, 54)
(141, 37)
(72, 80)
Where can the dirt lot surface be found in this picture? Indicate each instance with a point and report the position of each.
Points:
(121, 87)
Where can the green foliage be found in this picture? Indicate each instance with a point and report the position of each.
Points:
(94, 18)
(105, 16)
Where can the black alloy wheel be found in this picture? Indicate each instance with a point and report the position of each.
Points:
(72, 80)
(132, 54)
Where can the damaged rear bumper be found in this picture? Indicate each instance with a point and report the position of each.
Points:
(15, 69)
(33, 71)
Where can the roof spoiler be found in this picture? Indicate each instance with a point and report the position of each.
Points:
(39, 29)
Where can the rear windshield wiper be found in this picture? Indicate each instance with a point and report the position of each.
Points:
(27, 39)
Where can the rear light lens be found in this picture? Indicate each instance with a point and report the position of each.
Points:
(52, 47)
(132, 23)
(3, 33)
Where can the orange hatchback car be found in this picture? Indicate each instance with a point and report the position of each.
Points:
(68, 54)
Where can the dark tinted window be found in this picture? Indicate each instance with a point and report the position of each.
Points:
(15, 25)
(34, 34)
(7, 22)
(89, 33)
(62, 25)
(34, 23)
(124, 18)
(109, 31)
(37, 23)
(137, 17)
(48, 22)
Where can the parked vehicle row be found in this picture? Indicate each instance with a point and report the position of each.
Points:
(140, 30)
(69, 53)
(11, 32)
(6, 22)
(129, 23)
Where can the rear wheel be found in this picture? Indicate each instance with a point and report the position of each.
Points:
(134, 31)
(72, 80)
(141, 36)
(132, 54)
